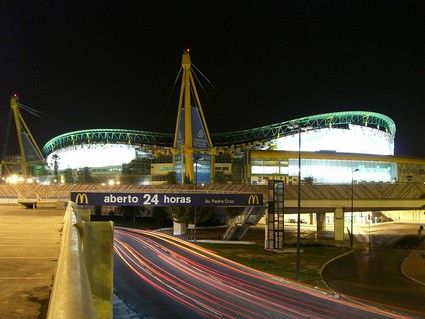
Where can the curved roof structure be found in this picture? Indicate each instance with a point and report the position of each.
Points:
(121, 136)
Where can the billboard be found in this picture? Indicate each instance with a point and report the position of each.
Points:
(200, 142)
(199, 135)
(179, 160)
(202, 169)
(167, 199)
(30, 152)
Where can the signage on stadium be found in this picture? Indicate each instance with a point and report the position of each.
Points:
(166, 199)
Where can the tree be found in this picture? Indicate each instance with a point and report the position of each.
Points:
(42, 171)
(159, 216)
(68, 176)
(186, 214)
(128, 212)
(172, 177)
(180, 214)
(85, 176)
(55, 166)
(220, 178)
(309, 180)
(98, 210)
(204, 214)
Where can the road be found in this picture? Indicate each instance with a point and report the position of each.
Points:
(163, 277)
(374, 273)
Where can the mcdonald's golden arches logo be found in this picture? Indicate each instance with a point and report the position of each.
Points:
(81, 199)
(253, 200)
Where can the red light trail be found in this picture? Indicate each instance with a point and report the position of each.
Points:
(214, 287)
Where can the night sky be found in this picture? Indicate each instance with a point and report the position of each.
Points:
(113, 64)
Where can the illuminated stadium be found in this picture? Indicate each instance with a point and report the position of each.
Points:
(331, 148)
(333, 145)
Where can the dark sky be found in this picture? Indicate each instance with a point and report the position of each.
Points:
(113, 64)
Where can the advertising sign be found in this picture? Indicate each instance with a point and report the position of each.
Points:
(166, 199)
(199, 136)
(179, 166)
(180, 133)
(202, 169)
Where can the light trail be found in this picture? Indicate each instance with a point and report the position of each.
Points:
(215, 287)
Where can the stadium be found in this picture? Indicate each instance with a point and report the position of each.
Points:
(331, 147)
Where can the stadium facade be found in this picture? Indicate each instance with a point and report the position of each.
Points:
(334, 148)
(326, 149)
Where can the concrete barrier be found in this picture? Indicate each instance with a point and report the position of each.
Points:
(83, 283)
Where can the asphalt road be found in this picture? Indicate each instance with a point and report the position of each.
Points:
(163, 277)
(374, 273)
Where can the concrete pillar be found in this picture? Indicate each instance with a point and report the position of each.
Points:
(98, 251)
(321, 221)
(179, 229)
(339, 224)
(266, 229)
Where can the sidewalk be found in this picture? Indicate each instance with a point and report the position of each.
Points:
(413, 266)
(29, 250)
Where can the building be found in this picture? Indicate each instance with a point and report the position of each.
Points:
(334, 148)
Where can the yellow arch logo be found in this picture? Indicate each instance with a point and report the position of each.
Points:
(253, 200)
(81, 199)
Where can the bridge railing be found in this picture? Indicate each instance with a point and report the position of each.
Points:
(83, 283)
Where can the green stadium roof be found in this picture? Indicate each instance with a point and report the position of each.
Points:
(123, 136)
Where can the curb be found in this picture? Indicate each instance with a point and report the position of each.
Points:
(403, 266)
(327, 263)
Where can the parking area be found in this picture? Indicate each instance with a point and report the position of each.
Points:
(29, 250)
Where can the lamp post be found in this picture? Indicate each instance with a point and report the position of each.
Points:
(297, 270)
(352, 206)
(196, 159)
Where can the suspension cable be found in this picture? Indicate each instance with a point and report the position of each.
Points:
(214, 87)
(6, 140)
(171, 91)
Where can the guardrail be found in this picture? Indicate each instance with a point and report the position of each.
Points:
(83, 283)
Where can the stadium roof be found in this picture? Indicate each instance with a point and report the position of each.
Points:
(327, 120)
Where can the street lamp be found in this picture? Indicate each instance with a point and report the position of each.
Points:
(297, 273)
(196, 158)
(352, 206)
(297, 126)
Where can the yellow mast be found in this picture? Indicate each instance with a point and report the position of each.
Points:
(21, 127)
(187, 149)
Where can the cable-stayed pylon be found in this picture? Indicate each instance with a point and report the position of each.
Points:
(30, 152)
(192, 148)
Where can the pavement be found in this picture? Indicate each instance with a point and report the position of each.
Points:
(413, 266)
(29, 250)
